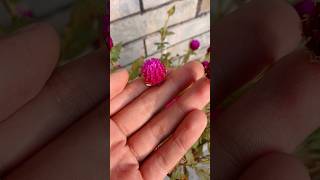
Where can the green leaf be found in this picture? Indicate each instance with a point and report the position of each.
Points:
(202, 173)
(115, 53)
(162, 30)
(169, 33)
(135, 68)
(165, 59)
(178, 173)
(172, 10)
(190, 157)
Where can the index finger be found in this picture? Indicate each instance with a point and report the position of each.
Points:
(118, 82)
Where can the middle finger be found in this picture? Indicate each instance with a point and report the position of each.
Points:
(160, 126)
(138, 112)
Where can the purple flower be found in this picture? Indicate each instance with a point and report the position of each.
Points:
(205, 64)
(306, 7)
(153, 71)
(194, 44)
(24, 11)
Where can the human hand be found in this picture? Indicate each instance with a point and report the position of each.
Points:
(140, 122)
(254, 138)
(52, 119)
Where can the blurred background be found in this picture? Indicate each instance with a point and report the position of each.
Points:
(309, 151)
(79, 22)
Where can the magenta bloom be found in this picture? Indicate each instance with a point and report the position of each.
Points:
(153, 71)
(194, 44)
(205, 64)
(306, 7)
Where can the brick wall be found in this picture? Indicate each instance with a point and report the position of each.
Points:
(136, 24)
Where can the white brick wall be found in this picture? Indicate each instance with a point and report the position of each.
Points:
(132, 51)
(137, 25)
(153, 3)
(182, 32)
(122, 8)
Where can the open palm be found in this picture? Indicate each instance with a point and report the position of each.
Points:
(140, 121)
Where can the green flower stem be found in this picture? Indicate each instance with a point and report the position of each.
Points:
(163, 35)
(187, 56)
(10, 8)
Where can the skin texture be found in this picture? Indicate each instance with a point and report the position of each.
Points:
(256, 135)
(52, 120)
(140, 122)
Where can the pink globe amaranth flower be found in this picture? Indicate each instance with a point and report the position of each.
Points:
(153, 71)
(194, 44)
(306, 7)
(205, 64)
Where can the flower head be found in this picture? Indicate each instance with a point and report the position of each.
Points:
(194, 44)
(206, 65)
(306, 7)
(309, 13)
(153, 71)
(209, 50)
